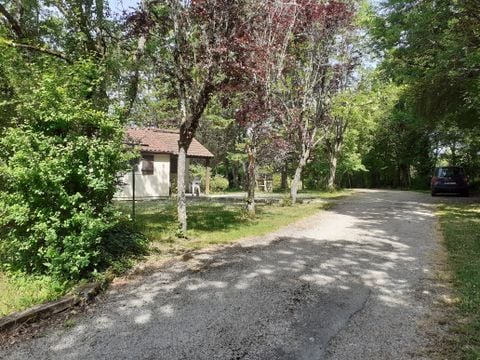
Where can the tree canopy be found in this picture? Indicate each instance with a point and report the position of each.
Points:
(313, 93)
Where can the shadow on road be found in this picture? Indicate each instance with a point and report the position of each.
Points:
(286, 299)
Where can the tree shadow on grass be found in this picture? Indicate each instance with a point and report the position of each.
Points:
(284, 299)
(211, 217)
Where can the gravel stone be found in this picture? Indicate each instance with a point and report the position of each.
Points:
(343, 284)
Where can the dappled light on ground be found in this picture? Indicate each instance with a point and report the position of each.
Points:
(287, 295)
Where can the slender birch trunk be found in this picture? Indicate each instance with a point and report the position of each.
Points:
(182, 200)
(298, 174)
(334, 150)
(332, 173)
(332, 162)
(284, 180)
(251, 179)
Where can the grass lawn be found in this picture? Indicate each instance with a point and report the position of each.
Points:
(212, 223)
(461, 229)
(19, 293)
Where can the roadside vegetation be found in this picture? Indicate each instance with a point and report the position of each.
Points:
(460, 224)
(154, 235)
(18, 292)
(286, 92)
(214, 223)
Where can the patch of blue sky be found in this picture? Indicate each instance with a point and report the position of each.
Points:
(119, 6)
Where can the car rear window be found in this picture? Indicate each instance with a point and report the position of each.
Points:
(449, 172)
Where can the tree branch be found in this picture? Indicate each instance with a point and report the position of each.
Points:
(38, 49)
(132, 91)
(17, 29)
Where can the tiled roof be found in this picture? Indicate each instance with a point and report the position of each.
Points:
(161, 141)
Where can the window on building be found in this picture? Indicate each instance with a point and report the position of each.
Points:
(147, 164)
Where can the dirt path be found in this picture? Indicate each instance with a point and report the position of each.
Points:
(344, 284)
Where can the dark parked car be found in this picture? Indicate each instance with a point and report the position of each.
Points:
(449, 179)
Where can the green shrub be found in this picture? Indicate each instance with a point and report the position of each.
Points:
(58, 173)
(286, 200)
(196, 170)
(218, 183)
(122, 242)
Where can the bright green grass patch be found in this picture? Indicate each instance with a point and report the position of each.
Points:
(212, 223)
(20, 292)
(461, 229)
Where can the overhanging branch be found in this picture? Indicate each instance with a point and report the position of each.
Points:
(38, 49)
(17, 29)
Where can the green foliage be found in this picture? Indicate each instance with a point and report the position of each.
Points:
(461, 229)
(431, 49)
(316, 171)
(286, 200)
(360, 115)
(19, 291)
(401, 149)
(197, 170)
(218, 183)
(58, 172)
(212, 223)
(433, 46)
(121, 245)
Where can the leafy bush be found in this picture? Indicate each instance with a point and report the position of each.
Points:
(218, 183)
(197, 170)
(286, 200)
(122, 241)
(58, 174)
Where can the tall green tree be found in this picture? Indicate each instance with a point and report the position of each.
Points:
(432, 47)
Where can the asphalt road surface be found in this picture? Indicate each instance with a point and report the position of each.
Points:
(348, 283)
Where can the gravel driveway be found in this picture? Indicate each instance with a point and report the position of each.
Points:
(349, 283)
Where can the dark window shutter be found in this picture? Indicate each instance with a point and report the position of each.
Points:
(147, 164)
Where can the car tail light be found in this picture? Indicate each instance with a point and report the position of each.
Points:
(466, 180)
(434, 180)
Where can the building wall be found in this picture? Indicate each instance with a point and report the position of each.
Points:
(151, 186)
(148, 186)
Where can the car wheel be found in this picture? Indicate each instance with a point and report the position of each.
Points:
(465, 193)
(434, 193)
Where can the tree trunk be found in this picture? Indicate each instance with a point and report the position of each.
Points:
(182, 200)
(245, 175)
(235, 182)
(284, 181)
(298, 174)
(251, 179)
(453, 149)
(332, 164)
(132, 90)
(404, 175)
(334, 149)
